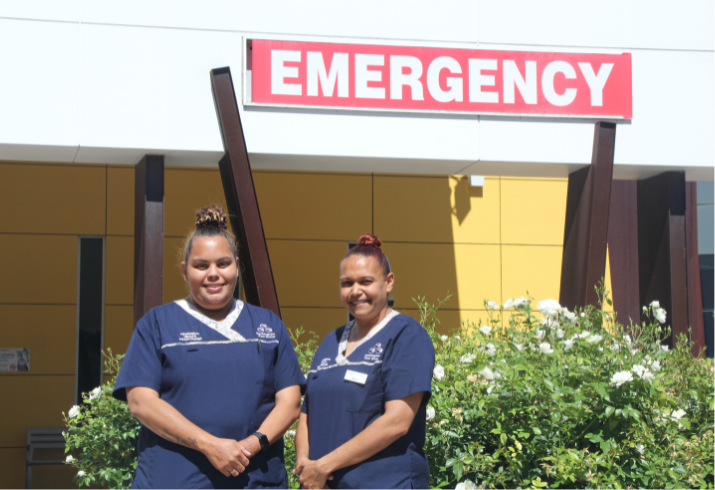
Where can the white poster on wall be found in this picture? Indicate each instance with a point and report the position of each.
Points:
(14, 359)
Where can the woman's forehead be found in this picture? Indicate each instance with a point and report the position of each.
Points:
(207, 246)
(360, 264)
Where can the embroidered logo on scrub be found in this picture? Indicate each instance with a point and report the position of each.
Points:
(324, 363)
(265, 332)
(374, 353)
(189, 336)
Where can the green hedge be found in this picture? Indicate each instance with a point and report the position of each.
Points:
(548, 398)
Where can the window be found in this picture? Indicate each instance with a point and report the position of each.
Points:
(90, 315)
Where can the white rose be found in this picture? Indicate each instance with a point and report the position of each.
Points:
(568, 344)
(560, 333)
(509, 304)
(677, 414)
(541, 334)
(74, 411)
(549, 307)
(488, 374)
(640, 448)
(520, 302)
(81, 473)
(593, 338)
(546, 348)
(628, 339)
(290, 433)
(622, 377)
(466, 485)
(565, 313)
(519, 346)
(457, 337)
(490, 349)
(584, 334)
(95, 393)
(655, 304)
(444, 338)
(486, 330)
(69, 459)
(492, 305)
(664, 347)
(659, 315)
(438, 372)
(430, 413)
(467, 358)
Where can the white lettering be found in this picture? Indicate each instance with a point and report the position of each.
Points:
(279, 72)
(513, 78)
(398, 79)
(596, 82)
(477, 81)
(456, 89)
(547, 83)
(315, 70)
(363, 76)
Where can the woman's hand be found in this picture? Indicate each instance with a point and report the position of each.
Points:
(228, 456)
(313, 474)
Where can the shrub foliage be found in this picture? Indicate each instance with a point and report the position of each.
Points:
(539, 398)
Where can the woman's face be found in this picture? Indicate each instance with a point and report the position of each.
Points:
(364, 287)
(211, 271)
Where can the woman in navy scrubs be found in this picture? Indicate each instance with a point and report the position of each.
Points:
(215, 382)
(363, 420)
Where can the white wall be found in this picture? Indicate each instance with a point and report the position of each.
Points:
(106, 82)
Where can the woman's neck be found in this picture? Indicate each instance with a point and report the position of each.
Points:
(363, 328)
(217, 315)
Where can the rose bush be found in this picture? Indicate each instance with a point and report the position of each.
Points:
(542, 397)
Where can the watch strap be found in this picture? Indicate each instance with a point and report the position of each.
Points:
(263, 440)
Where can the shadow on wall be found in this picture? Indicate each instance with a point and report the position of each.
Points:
(463, 194)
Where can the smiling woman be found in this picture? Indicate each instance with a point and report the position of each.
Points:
(363, 420)
(215, 382)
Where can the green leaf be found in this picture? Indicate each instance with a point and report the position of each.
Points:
(605, 447)
(502, 438)
(609, 410)
(685, 422)
(536, 430)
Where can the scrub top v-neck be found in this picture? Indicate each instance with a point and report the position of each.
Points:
(222, 376)
(346, 394)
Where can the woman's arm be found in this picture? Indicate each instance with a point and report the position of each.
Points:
(165, 421)
(386, 429)
(279, 420)
(302, 446)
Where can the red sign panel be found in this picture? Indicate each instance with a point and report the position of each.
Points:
(403, 78)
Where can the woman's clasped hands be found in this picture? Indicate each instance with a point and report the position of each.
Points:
(228, 456)
(313, 474)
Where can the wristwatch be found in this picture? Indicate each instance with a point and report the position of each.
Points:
(262, 439)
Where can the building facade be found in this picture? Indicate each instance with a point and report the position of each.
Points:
(90, 88)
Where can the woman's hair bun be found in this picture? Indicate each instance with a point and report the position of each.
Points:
(369, 241)
(211, 217)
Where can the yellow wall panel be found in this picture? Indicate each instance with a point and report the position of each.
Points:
(12, 467)
(47, 330)
(423, 269)
(119, 270)
(43, 269)
(478, 274)
(307, 273)
(436, 209)
(315, 206)
(607, 283)
(533, 211)
(185, 192)
(118, 327)
(415, 209)
(535, 269)
(174, 285)
(120, 200)
(52, 199)
(38, 401)
(322, 321)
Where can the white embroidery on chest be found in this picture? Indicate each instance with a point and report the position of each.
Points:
(265, 332)
(189, 336)
(341, 359)
(374, 353)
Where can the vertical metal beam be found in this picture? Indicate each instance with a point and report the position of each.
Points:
(623, 250)
(585, 233)
(695, 299)
(148, 234)
(662, 261)
(241, 198)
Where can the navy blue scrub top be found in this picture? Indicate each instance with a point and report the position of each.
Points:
(222, 376)
(345, 395)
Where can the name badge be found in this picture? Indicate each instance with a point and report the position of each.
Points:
(355, 377)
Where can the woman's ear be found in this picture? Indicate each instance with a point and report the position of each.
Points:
(389, 282)
(183, 271)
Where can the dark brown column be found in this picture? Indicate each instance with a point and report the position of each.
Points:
(587, 204)
(257, 275)
(148, 234)
(623, 250)
(662, 261)
(695, 299)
